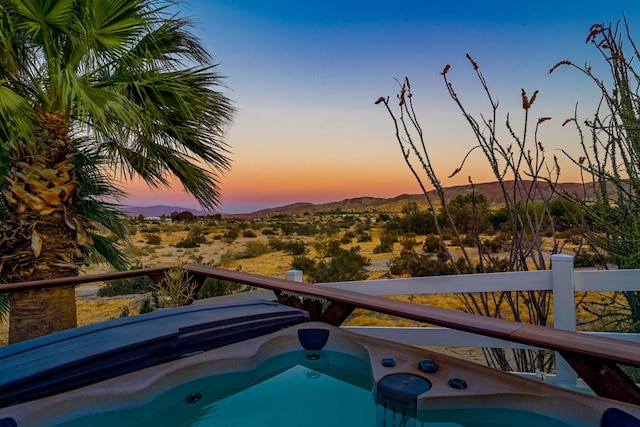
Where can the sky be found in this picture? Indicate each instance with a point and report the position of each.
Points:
(304, 76)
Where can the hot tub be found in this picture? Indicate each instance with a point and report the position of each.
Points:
(291, 373)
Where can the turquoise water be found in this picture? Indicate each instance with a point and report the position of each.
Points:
(297, 397)
(285, 393)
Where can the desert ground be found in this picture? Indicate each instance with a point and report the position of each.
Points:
(220, 251)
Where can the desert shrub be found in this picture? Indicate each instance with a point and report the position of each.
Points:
(349, 235)
(153, 239)
(248, 233)
(227, 258)
(345, 240)
(364, 237)
(132, 285)
(494, 265)
(347, 221)
(254, 249)
(382, 217)
(585, 258)
(319, 245)
(195, 257)
(410, 263)
(134, 251)
(150, 230)
(217, 287)
(146, 306)
(408, 242)
(306, 265)
(469, 213)
(418, 222)
(432, 243)
(448, 236)
(187, 242)
(230, 235)
(269, 232)
(306, 229)
(275, 243)
(494, 244)
(329, 228)
(295, 247)
(214, 219)
(288, 228)
(334, 264)
(387, 239)
(176, 289)
(362, 227)
(564, 213)
(392, 225)
(193, 240)
(470, 239)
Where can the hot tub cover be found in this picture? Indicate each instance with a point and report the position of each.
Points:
(66, 360)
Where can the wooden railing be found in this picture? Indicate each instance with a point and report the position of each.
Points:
(562, 280)
(593, 357)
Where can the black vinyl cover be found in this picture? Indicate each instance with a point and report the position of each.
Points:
(70, 359)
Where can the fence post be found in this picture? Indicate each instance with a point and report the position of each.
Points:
(564, 312)
(295, 275)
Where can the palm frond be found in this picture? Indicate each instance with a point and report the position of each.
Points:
(184, 120)
(169, 42)
(4, 167)
(95, 191)
(105, 249)
(114, 25)
(133, 80)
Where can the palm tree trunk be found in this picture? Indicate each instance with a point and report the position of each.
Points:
(42, 237)
(41, 312)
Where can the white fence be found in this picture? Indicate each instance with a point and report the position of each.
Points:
(561, 279)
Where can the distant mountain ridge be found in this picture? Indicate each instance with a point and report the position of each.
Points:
(491, 190)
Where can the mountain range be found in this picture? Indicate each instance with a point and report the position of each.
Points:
(491, 190)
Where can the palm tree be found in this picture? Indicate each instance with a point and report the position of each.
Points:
(91, 90)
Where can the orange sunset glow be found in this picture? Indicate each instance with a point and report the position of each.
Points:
(304, 81)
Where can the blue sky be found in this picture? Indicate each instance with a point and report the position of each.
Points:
(304, 76)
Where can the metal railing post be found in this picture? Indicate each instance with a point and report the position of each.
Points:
(564, 312)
